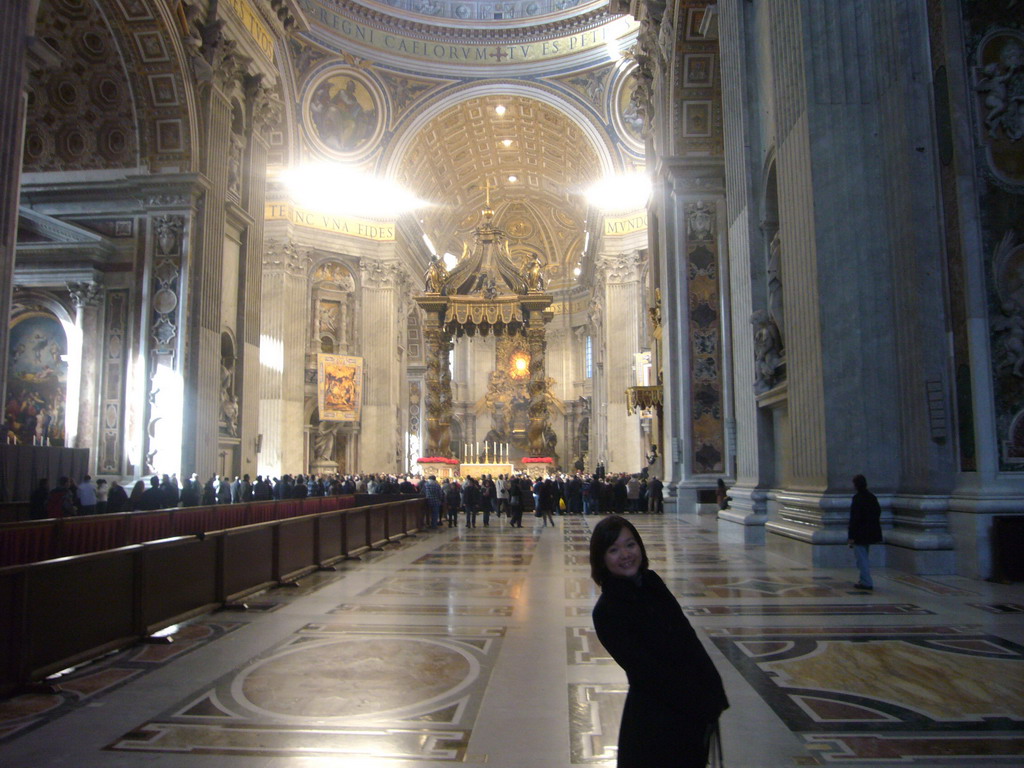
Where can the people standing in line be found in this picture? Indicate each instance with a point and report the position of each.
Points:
(60, 501)
(515, 502)
(435, 498)
(154, 496)
(501, 495)
(676, 695)
(488, 498)
(452, 500)
(527, 501)
(87, 496)
(545, 501)
(102, 494)
(633, 493)
(471, 501)
(655, 497)
(135, 499)
(117, 499)
(864, 530)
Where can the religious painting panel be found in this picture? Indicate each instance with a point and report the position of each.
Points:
(339, 387)
(343, 113)
(37, 379)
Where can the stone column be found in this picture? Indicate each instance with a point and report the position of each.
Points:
(537, 386)
(81, 411)
(624, 310)
(263, 114)
(381, 281)
(219, 70)
(282, 362)
(749, 228)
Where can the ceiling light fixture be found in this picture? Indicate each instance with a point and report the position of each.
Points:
(500, 110)
(507, 143)
(513, 179)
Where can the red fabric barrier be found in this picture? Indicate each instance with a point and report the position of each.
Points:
(44, 539)
(262, 512)
(192, 520)
(148, 526)
(79, 536)
(26, 544)
(232, 516)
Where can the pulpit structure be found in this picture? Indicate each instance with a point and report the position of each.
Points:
(485, 293)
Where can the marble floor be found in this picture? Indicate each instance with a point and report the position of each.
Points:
(476, 647)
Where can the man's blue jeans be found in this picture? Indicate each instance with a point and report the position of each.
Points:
(860, 551)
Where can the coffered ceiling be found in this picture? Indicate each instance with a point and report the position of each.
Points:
(535, 160)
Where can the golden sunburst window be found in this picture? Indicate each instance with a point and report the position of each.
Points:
(519, 365)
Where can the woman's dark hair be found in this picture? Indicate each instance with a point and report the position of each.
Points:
(605, 534)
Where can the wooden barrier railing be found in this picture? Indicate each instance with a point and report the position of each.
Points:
(57, 613)
(32, 541)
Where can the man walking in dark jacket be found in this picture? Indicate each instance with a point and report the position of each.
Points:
(865, 529)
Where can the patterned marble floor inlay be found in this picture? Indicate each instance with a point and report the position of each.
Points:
(890, 683)
(931, 585)
(818, 609)
(90, 681)
(400, 692)
(443, 585)
(421, 609)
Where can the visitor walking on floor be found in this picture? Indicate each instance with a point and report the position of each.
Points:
(865, 529)
(675, 696)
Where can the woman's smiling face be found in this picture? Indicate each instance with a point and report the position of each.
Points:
(623, 558)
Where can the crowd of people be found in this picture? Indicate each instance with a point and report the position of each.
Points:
(87, 497)
(477, 498)
(545, 497)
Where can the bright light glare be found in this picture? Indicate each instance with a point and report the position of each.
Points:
(513, 179)
(628, 192)
(271, 353)
(500, 110)
(429, 243)
(576, 272)
(507, 143)
(450, 261)
(346, 191)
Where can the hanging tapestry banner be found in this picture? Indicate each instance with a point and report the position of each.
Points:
(339, 387)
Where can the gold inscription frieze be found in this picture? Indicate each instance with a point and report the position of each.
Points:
(380, 231)
(466, 52)
(259, 31)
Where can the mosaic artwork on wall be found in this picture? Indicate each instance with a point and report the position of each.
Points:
(705, 338)
(626, 117)
(37, 379)
(343, 114)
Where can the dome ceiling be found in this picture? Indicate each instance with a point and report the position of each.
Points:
(535, 161)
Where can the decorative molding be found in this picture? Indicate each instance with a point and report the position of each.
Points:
(620, 268)
(85, 294)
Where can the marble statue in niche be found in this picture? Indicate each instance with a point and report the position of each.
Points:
(324, 442)
(773, 274)
(228, 401)
(767, 352)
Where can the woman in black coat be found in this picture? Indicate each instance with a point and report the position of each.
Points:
(675, 693)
